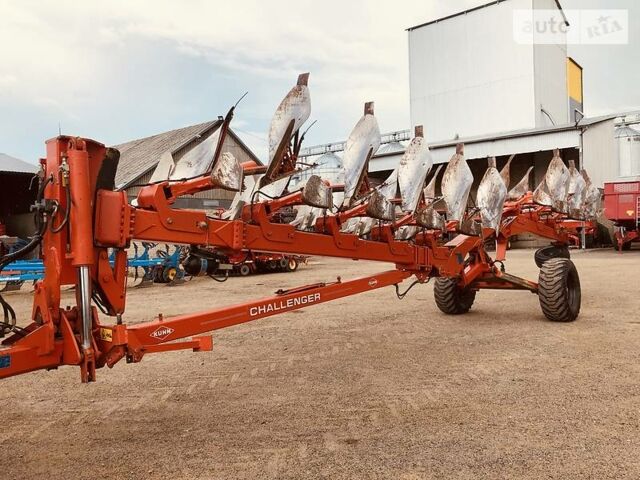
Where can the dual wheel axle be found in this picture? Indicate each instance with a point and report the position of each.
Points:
(558, 287)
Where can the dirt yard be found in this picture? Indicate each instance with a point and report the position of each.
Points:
(364, 387)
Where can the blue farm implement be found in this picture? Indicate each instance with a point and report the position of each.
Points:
(161, 267)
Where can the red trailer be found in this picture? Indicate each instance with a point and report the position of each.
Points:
(246, 263)
(622, 207)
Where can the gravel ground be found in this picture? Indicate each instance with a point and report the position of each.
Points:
(363, 387)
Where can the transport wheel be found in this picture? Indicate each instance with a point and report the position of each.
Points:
(559, 290)
(169, 274)
(452, 299)
(547, 253)
(282, 263)
(244, 270)
(292, 265)
(158, 273)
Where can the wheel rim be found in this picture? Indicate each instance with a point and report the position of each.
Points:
(573, 291)
(171, 274)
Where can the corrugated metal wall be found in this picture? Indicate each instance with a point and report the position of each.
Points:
(599, 156)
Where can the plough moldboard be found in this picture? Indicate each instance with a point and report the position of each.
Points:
(404, 221)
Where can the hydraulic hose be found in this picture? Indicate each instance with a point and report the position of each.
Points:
(9, 313)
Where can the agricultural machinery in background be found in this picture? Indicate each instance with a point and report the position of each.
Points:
(622, 207)
(404, 222)
(149, 264)
(219, 264)
(247, 263)
(152, 263)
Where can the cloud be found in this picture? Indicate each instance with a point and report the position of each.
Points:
(146, 65)
(120, 70)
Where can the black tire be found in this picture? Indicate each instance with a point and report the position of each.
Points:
(292, 264)
(559, 290)
(282, 263)
(452, 299)
(158, 274)
(244, 270)
(547, 253)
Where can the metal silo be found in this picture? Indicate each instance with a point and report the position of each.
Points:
(327, 166)
(628, 140)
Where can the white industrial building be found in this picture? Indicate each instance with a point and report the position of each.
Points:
(471, 82)
(469, 76)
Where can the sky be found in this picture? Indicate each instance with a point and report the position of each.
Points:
(120, 70)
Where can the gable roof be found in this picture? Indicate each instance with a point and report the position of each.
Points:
(139, 156)
(12, 164)
(15, 165)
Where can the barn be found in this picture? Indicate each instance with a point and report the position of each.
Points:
(139, 158)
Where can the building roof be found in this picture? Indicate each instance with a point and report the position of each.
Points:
(140, 156)
(479, 146)
(518, 141)
(463, 12)
(12, 164)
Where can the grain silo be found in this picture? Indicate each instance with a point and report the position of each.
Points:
(628, 144)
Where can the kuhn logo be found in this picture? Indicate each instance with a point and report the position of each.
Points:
(373, 282)
(161, 333)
